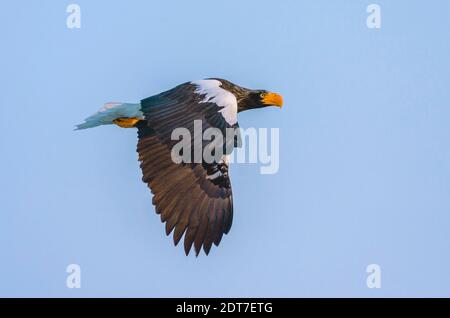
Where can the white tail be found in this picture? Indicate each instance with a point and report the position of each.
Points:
(111, 111)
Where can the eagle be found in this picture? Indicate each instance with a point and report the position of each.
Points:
(193, 198)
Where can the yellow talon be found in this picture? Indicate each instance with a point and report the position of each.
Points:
(126, 122)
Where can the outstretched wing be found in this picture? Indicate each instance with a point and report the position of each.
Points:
(194, 199)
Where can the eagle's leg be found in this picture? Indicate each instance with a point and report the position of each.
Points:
(126, 122)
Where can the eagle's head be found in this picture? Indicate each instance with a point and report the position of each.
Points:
(250, 98)
(258, 99)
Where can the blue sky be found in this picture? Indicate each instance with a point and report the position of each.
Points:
(364, 148)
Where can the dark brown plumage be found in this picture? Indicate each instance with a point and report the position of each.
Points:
(184, 197)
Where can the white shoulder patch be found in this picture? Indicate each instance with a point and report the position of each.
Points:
(214, 93)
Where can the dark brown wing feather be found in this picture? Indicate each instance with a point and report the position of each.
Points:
(190, 202)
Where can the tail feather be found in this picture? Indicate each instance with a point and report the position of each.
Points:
(109, 112)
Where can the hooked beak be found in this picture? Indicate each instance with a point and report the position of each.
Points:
(273, 99)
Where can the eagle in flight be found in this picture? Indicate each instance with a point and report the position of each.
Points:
(192, 198)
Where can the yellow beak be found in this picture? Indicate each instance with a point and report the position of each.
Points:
(273, 99)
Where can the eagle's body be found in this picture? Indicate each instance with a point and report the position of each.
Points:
(194, 198)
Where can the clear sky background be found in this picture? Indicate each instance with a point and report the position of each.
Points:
(364, 143)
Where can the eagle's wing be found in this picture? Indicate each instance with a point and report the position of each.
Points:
(192, 198)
